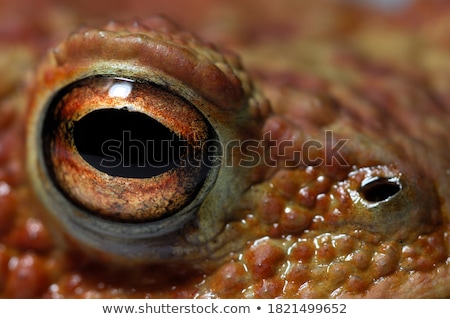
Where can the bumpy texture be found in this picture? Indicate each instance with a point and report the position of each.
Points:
(355, 204)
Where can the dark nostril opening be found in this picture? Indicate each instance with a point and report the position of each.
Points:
(378, 189)
(127, 144)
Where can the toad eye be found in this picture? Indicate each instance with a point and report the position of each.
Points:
(126, 141)
(125, 150)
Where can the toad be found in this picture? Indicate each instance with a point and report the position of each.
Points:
(138, 160)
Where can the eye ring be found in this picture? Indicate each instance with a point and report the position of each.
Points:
(128, 199)
(68, 164)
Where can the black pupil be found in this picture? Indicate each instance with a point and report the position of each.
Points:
(127, 144)
(379, 189)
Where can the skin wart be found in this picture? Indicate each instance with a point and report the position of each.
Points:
(351, 200)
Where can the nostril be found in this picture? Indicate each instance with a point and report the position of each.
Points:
(377, 189)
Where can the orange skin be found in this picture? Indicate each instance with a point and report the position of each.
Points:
(305, 227)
